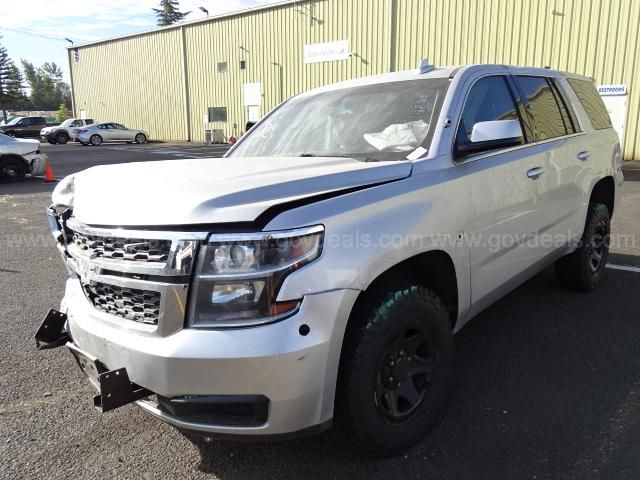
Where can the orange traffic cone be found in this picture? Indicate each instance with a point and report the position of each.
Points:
(48, 174)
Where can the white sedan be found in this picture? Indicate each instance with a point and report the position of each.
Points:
(98, 133)
(19, 157)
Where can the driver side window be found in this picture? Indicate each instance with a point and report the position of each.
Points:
(490, 99)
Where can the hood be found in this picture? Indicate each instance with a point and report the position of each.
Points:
(210, 190)
(20, 146)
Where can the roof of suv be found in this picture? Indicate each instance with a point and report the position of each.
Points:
(440, 72)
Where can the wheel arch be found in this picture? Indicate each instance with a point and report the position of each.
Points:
(9, 156)
(604, 191)
(433, 269)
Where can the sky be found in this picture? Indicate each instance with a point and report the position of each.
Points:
(35, 30)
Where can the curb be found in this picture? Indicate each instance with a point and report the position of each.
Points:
(632, 165)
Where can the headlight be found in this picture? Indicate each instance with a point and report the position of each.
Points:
(239, 276)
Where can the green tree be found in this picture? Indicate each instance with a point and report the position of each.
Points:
(63, 113)
(169, 13)
(11, 93)
(48, 90)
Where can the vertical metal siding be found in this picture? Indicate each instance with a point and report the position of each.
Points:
(597, 38)
(139, 80)
(273, 42)
(136, 82)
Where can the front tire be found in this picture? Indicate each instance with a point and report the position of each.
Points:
(584, 268)
(141, 138)
(394, 369)
(95, 140)
(12, 170)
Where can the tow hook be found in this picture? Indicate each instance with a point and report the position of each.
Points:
(51, 333)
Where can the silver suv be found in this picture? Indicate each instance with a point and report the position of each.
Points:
(317, 274)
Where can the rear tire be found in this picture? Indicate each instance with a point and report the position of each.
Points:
(96, 140)
(12, 170)
(394, 369)
(62, 138)
(584, 268)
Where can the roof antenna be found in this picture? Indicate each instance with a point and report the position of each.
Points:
(425, 66)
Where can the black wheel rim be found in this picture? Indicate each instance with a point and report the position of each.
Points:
(10, 172)
(404, 376)
(598, 247)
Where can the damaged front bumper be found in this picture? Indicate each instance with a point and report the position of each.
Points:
(114, 387)
(37, 163)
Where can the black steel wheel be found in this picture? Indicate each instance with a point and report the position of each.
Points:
(584, 268)
(394, 368)
(404, 375)
(12, 170)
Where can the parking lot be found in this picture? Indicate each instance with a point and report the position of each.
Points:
(546, 386)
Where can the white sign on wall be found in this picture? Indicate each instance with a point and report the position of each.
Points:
(606, 90)
(615, 99)
(253, 112)
(326, 52)
(252, 94)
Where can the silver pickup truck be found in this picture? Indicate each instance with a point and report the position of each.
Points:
(317, 274)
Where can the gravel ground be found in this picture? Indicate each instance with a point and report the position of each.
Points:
(546, 385)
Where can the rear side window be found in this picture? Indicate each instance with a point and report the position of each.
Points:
(592, 103)
(550, 118)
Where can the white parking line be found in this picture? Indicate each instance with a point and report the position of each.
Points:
(625, 268)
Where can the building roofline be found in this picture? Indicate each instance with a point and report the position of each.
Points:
(282, 3)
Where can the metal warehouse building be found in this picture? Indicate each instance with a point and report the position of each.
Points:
(220, 72)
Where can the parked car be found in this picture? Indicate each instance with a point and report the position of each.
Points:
(319, 272)
(64, 132)
(19, 157)
(110, 132)
(25, 126)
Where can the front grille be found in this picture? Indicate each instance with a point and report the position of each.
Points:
(133, 304)
(133, 249)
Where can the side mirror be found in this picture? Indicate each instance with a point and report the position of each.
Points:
(492, 135)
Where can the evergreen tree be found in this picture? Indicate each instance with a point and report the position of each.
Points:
(48, 90)
(10, 83)
(169, 13)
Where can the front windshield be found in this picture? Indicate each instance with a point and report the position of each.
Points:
(14, 120)
(383, 121)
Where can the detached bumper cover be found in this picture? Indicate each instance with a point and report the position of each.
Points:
(37, 163)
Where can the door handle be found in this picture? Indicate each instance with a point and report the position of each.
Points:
(535, 172)
(583, 155)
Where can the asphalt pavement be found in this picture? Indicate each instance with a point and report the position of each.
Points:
(546, 383)
(72, 157)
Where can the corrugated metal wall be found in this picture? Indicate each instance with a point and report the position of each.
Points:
(135, 81)
(271, 42)
(140, 80)
(597, 38)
